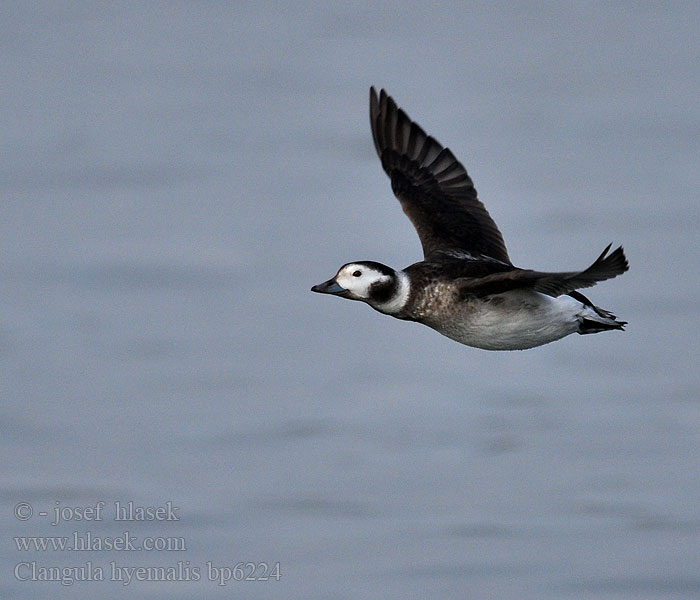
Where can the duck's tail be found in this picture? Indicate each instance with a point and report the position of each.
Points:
(596, 319)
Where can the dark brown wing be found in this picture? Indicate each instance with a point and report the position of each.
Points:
(605, 267)
(433, 187)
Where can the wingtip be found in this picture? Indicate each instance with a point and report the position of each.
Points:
(603, 254)
(616, 258)
(619, 256)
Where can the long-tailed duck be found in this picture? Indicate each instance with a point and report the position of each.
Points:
(466, 287)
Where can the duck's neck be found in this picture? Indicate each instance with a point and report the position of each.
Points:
(390, 297)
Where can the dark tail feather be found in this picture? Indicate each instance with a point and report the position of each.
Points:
(603, 320)
(595, 326)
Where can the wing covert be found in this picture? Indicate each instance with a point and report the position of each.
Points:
(606, 266)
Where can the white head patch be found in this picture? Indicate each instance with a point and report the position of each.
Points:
(364, 280)
(358, 278)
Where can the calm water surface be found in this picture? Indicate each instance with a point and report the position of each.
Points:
(176, 177)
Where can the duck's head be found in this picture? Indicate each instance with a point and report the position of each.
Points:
(382, 287)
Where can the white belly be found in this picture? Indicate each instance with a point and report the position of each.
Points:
(512, 321)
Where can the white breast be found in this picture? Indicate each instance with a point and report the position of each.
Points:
(514, 320)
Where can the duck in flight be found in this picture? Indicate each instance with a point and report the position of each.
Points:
(466, 287)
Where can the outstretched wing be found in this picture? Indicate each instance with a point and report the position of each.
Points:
(433, 187)
(605, 267)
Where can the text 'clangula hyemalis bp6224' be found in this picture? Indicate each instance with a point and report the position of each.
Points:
(466, 288)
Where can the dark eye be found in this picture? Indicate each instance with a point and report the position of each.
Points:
(356, 274)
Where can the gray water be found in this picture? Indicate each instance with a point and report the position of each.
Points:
(174, 178)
